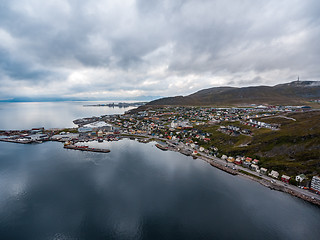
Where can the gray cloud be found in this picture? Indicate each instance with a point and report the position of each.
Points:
(153, 47)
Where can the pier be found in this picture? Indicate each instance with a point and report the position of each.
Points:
(86, 148)
(16, 140)
(223, 168)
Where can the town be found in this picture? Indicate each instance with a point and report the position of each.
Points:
(187, 130)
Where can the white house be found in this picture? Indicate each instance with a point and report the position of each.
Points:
(263, 170)
(300, 178)
(224, 157)
(274, 174)
(254, 167)
(100, 133)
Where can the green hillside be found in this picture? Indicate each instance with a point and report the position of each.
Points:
(293, 149)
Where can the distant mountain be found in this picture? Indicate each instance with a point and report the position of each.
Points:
(297, 92)
(61, 99)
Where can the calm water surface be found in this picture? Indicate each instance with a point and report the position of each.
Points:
(138, 192)
(49, 114)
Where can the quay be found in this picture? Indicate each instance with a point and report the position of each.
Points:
(162, 147)
(15, 140)
(185, 152)
(70, 139)
(223, 168)
(86, 148)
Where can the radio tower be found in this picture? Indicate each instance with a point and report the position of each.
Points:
(298, 78)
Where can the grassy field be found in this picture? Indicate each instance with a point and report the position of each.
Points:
(293, 149)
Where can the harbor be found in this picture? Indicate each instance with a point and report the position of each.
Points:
(94, 137)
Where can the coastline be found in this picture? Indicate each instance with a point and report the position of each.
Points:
(264, 180)
(265, 183)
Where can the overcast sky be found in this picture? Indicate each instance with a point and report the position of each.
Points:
(127, 48)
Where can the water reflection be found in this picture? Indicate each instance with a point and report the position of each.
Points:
(138, 192)
(49, 114)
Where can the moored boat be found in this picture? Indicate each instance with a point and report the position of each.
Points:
(162, 147)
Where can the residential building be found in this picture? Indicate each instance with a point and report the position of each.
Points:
(238, 161)
(246, 164)
(274, 174)
(224, 157)
(285, 178)
(300, 178)
(263, 170)
(315, 183)
(255, 161)
(254, 167)
(100, 133)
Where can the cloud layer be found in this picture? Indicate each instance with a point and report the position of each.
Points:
(130, 48)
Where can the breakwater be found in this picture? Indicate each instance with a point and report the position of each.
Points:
(281, 188)
(15, 140)
(264, 182)
(292, 192)
(86, 148)
(224, 168)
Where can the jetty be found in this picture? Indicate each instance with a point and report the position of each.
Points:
(223, 168)
(22, 141)
(186, 152)
(86, 148)
(162, 147)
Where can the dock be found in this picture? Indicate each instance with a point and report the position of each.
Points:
(86, 148)
(162, 147)
(15, 141)
(186, 152)
(223, 168)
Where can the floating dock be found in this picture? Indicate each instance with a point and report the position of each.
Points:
(86, 148)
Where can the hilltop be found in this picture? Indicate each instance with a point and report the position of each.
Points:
(293, 93)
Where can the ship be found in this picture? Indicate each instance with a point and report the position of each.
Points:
(162, 147)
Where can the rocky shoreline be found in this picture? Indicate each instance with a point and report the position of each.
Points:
(266, 183)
